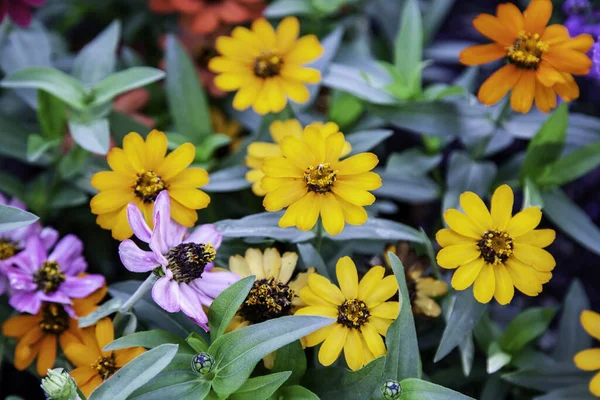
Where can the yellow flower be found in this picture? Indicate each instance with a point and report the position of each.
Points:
(266, 66)
(39, 334)
(140, 171)
(589, 360)
(229, 127)
(496, 252)
(258, 151)
(93, 365)
(311, 180)
(360, 309)
(272, 295)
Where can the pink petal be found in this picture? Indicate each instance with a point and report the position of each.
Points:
(49, 237)
(207, 233)
(25, 302)
(67, 249)
(135, 259)
(165, 293)
(80, 287)
(191, 304)
(157, 242)
(138, 223)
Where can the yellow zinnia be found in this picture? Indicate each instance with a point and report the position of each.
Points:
(311, 180)
(140, 171)
(589, 360)
(94, 365)
(496, 252)
(360, 309)
(258, 151)
(266, 66)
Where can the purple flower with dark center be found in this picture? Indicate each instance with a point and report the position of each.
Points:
(12, 242)
(37, 277)
(188, 280)
(18, 10)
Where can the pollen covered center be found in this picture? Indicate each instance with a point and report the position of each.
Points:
(49, 277)
(148, 185)
(55, 319)
(268, 299)
(8, 249)
(188, 260)
(268, 64)
(496, 247)
(105, 366)
(320, 179)
(527, 51)
(353, 314)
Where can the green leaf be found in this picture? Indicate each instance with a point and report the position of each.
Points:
(547, 144)
(575, 392)
(379, 229)
(52, 115)
(237, 352)
(123, 82)
(110, 307)
(135, 374)
(570, 167)
(572, 338)
(73, 163)
(224, 307)
(344, 109)
(352, 80)
(196, 342)
(311, 258)
(417, 389)
(402, 359)
(50, 80)
(14, 139)
(230, 179)
(531, 195)
(547, 376)
(93, 136)
(283, 8)
(367, 140)
(408, 47)
(187, 100)
(261, 387)
(496, 358)
(11, 185)
(149, 340)
(121, 124)
(67, 196)
(291, 358)
(210, 144)
(14, 218)
(527, 326)
(97, 60)
(38, 146)
(296, 392)
(189, 389)
(262, 225)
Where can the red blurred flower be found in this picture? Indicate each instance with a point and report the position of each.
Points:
(18, 10)
(131, 103)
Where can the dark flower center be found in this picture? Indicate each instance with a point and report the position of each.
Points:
(268, 64)
(267, 299)
(48, 277)
(8, 248)
(188, 260)
(353, 314)
(496, 247)
(105, 366)
(527, 51)
(320, 179)
(148, 185)
(55, 319)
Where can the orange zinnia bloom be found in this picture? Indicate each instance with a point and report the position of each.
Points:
(541, 61)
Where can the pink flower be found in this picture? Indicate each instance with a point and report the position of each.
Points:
(18, 10)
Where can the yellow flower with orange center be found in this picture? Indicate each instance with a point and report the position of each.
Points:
(140, 171)
(265, 65)
(259, 151)
(589, 359)
(540, 60)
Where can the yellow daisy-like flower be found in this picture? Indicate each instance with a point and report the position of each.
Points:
(496, 251)
(140, 171)
(259, 151)
(362, 314)
(94, 365)
(272, 295)
(229, 127)
(589, 360)
(266, 66)
(310, 178)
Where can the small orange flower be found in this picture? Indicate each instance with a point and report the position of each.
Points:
(541, 61)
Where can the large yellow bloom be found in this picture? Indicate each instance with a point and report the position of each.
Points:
(311, 180)
(541, 61)
(589, 360)
(140, 171)
(497, 252)
(265, 65)
(258, 151)
(94, 365)
(360, 309)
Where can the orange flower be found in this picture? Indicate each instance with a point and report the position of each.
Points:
(541, 61)
(37, 335)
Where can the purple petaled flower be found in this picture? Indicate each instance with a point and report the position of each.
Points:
(18, 10)
(13, 242)
(183, 262)
(595, 71)
(36, 277)
(571, 7)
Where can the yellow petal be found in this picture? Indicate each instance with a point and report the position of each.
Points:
(265, 32)
(275, 94)
(111, 200)
(296, 151)
(476, 210)
(307, 49)
(310, 298)
(247, 94)
(365, 180)
(105, 332)
(190, 198)
(296, 91)
(462, 224)
(318, 336)
(301, 74)
(334, 145)
(454, 256)
(332, 214)
(156, 149)
(373, 339)
(239, 266)
(272, 263)
(287, 33)
(135, 150)
(538, 258)
(290, 191)
(590, 321)
(353, 215)
(485, 284)
(118, 162)
(370, 281)
(588, 360)
(386, 289)
(177, 161)
(380, 324)
(230, 81)
(447, 237)
(465, 275)
(223, 64)
(352, 194)
(190, 178)
(83, 375)
(333, 345)
(235, 49)
(524, 222)
(357, 164)
(261, 105)
(523, 277)
(595, 385)
(538, 238)
(505, 290)
(121, 230)
(353, 350)
(311, 206)
(254, 258)
(323, 288)
(323, 311)
(280, 167)
(502, 204)
(388, 310)
(427, 307)
(126, 355)
(107, 180)
(183, 215)
(347, 277)
(431, 287)
(288, 265)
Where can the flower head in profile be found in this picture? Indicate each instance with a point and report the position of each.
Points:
(495, 251)
(183, 263)
(589, 360)
(94, 365)
(259, 151)
(361, 311)
(310, 180)
(37, 277)
(540, 60)
(37, 335)
(226, 126)
(265, 65)
(59, 385)
(19, 10)
(140, 171)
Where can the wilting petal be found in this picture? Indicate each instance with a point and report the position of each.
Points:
(138, 223)
(80, 287)
(49, 237)
(192, 306)
(166, 294)
(205, 234)
(27, 302)
(213, 283)
(135, 259)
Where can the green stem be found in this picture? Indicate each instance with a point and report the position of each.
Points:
(135, 297)
(319, 237)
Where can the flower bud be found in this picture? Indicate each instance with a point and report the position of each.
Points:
(203, 363)
(391, 390)
(59, 385)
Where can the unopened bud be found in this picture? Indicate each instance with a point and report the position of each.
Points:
(59, 385)
(203, 363)
(391, 390)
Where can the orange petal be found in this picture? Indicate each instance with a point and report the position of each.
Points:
(492, 28)
(545, 98)
(511, 18)
(499, 84)
(568, 60)
(583, 43)
(482, 54)
(555, 34)
(548, 75)
(537, 15)
(521, 98)
(47, 355)
(569, 90)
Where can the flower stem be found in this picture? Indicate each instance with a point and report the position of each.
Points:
(319, 237)
(137, 295)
